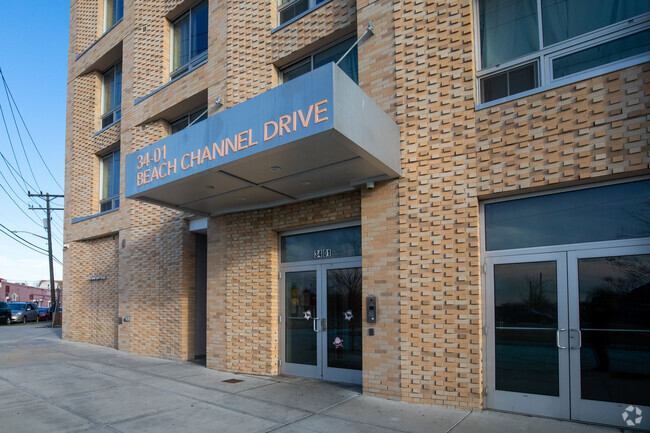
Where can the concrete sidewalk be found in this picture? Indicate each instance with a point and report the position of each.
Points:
(50, 385)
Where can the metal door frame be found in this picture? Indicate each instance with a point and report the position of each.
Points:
(591, 410)
(320, 370)
(535, 404)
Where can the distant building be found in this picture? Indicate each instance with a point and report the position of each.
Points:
(17, 292)
(45, 284)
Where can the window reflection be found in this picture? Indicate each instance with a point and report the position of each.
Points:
(597, 214)
(344, 242)
(343, 295)
(525, 309)
(615, 326)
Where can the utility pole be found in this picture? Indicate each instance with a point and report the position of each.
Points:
(47, 208)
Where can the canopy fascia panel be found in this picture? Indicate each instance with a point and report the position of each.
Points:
(316, 135)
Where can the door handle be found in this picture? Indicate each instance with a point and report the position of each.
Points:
(557, 338)
(579, 339)
(314, 324)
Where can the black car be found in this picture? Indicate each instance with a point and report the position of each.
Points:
(5, 314)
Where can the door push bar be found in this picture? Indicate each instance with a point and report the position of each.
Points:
(571, 337)
(323, 324)
(557, 338)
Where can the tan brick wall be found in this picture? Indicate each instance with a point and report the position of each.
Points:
(573, 134)
(91, 303)
(421, 246)
(243, 288)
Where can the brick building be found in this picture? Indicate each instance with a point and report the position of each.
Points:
(456, 214)
(17, 292)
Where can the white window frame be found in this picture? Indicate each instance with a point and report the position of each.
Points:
(112, 199)
(545, 55)
(113, 110)
(192, 62)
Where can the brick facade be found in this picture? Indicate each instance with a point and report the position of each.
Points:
(421, 239)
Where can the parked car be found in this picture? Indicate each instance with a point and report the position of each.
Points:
(5, 313)
(44, 314)
(23, 312)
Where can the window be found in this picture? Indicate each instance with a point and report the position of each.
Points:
(587, 215)
(289, 9)
(113, 11)
(330, 54)
(112, 95)
(190, 39)
(526, 44)
(109, 175)
(188, 119)
(334, 243)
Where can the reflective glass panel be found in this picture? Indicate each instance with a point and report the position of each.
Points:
(597, 214)
(199, 29)
(344, 348)
(293, 10)
(349, 64)
(296, 71)
(615, 327)
(181, 53)
(109, 84)
(602, 54)
(525, 311)
(564, 19)
(345, 242)
(300, 338)
(508, 30)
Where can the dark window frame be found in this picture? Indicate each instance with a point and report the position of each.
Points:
(114, 112)
(197, 60)
(203, 114)
(116, 16)
(309, 58)
(110, 201)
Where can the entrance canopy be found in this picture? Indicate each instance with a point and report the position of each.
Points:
(316, 135)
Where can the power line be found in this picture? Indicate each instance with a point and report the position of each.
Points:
(10, 142)
(12, 170)
(25, 242)
(13, 116)
(18, 206)
(27, 129)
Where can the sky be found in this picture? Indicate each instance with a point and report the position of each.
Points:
(33, 60)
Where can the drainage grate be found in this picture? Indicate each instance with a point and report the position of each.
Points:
(232, 380)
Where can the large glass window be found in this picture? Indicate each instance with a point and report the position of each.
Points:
(188, 119)
(289, 9)
(109, 174)
(113, 11)
(326, 244)
(332, 53)
(112, 95)
(190, 39)
(589, 215)
(526, 44)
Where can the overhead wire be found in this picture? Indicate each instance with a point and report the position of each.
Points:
(20, 137)
(27, 129)
(17, 175)
(5, 230)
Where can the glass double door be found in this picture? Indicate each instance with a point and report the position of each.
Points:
(321, 321)
(569, 335)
